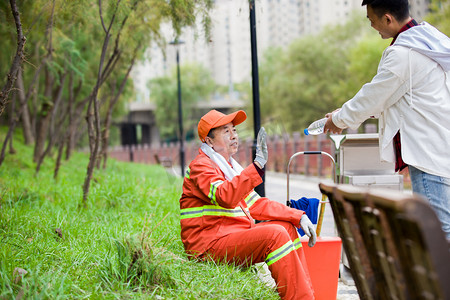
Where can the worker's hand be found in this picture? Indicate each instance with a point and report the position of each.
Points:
(261, 148)
(309, 230)
(329, 125)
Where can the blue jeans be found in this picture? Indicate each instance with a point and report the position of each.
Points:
(436, 190)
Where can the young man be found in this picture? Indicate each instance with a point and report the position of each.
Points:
(411, 95)
(218, 205)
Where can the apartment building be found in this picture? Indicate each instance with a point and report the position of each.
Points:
(228, 55)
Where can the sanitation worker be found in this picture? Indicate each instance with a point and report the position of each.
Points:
(411, 96)
(218, 208)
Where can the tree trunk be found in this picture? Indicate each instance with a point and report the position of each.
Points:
(29, 125)
(105, 135)
(93, 114)
(73, 115)
(12, 125)
(18, 58)
(112, 103)
(43, 123)
(93, 146)
(75, 121)
(70, 102)
(44, 119)
(54, 136)
(12, 113)
(58, 158)
(26, 123)
(69, 143)
(34, 106)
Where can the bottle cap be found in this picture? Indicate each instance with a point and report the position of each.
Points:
(306, 131)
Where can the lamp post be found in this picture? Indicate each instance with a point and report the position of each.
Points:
(255, 88)
(176, 43)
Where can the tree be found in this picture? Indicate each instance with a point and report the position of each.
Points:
(12, 75)
(303, 78)
(197, 84)
(314, 75)
(74, 49)
(439, 15)
(363, 60)
(116, 92)
(318, 73)
(181, 13)
(18, 58)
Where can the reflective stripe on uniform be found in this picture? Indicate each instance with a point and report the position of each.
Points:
(213, 190)
(279, 253)
(251, 198)
(188, 173)
(297, 244)
(210, 210)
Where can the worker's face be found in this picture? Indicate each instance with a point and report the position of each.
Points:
(225, 141)
(384, 24)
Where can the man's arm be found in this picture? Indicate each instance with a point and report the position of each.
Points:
(385, 89)
(266, 209)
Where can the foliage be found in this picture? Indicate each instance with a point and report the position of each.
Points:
(362, 65)
(318, 73)
(126, 244)
(196, 85)
(440, 15)
(66, 37)
(91, 44)
(312, 76)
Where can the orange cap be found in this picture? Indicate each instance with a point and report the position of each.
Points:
(214, 119)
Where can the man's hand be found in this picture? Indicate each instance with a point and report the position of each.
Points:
(262, 153)
(329, 125)
(309, 230)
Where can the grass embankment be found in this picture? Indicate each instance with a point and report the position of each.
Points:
(125, 244)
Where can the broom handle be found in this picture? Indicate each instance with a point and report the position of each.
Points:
(322, 211)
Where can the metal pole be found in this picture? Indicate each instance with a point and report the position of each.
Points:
(255, 88)
(180, 117)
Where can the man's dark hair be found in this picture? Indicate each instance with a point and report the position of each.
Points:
(398, 8)
(211, 133)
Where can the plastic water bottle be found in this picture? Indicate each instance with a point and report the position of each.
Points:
(316, 127)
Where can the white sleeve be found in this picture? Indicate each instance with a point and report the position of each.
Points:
(385, 89)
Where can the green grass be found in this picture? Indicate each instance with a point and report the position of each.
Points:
(124, 245)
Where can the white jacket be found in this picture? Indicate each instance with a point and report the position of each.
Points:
(410, 93)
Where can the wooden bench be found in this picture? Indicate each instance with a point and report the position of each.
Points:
(394, 243)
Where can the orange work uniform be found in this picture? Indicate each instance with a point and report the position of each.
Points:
(217, 222)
